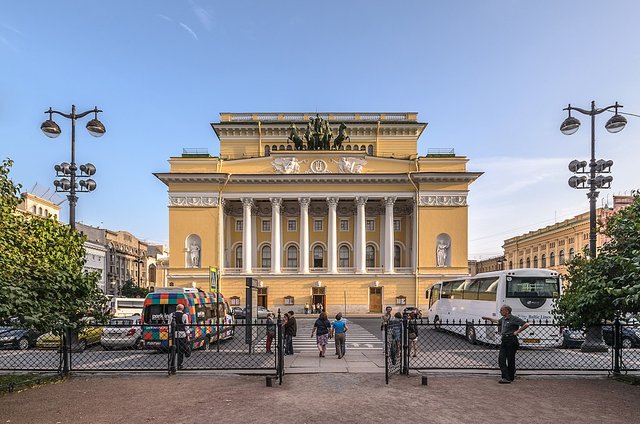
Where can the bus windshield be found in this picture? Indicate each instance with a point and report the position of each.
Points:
(540, 287)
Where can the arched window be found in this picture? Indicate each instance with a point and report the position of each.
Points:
(535, 262)
(266, 150)
(39, 211)
(289, 147)
(239, 256)
(152, 273)
(544, 260)
(370, 256)
(318, 256)
(281, 147)
(572, 254)
(46, 212)
(341, 147)
(528, 262)
(343, 255)
(274, 148)
(292, 257)
(510, 264)
(348, 147)
(355, 147)
(521, 263)
(552, 259)
(370, 150)
(397, 256)
(561, 258)
(266, 256)
(34, 210)
(363, 147)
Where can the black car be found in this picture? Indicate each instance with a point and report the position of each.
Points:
(17, 338)
(238, 312)
(630, 335)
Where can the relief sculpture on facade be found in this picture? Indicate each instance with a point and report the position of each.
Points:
(193, 199)
(349, 165)
(286, 165)
(447, 200)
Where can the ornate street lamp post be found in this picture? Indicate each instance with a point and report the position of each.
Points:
(51, 129)
(592, 179)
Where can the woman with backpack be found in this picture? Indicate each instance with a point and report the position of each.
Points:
(321, 329)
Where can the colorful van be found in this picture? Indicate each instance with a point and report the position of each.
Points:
(203, 309)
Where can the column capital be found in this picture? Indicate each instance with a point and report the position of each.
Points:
(361, 201)
(276, 202)
(332, 201)
(247, 202)
(304, 201)
(389, 201)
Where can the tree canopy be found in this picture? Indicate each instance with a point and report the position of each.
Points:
(601, 288)
(130, 289)
(42, 283)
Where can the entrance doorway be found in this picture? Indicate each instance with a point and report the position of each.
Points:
(375, 299)
(319, 296)
(262, 296)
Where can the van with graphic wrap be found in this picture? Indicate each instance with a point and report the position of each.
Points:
(202, 308)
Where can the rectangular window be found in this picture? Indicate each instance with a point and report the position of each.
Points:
(289, 300)
(238, 225)
(371, 224)
(317, 225)
(396, 225)
(532, 287)
(266, 225)
(235, 301)
(344, 225)
(292, 225)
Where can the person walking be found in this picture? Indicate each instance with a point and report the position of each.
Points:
(271, 331)
(290, 330)
(182, 336)
(509, 326)
(339, 333)
(306, 308)
(413, 334)
(321, 328)
(395, 330)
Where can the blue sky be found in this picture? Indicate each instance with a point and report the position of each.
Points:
(489, 77)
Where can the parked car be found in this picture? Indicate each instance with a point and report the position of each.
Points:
(572, 339)
(238, 312)
(88, 336)
(17, 338)
(122, 333)
(630, 335)
(412, 309)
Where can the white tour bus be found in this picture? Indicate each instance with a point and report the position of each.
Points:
(126, 306)
(530, 292)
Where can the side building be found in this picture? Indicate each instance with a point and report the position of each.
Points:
(554, 246)
(343, 213)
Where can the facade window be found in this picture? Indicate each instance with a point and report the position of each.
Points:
(348, 147)
(239, 225)
(397, 256)
(370, 256)
(317, 225)
(281, 147)
(572, 254)
(234, 301)
(343, 256)
(371, 224)
(239, 256)
(363, 148)
(33, 209)
(401, 300)
(266, 151)
(510, 264)
(289, 147)
(535, 262)
(288, 300)
(355, 147)
(544, 260)
(274, 148)
(552, 259)
(528, 262)
(292, 257)
(266, 225)
(521, 263)
(318, 257)
(344, 225)
(370, 150)
(39, 211)
(292, 225)
(396, 225)
(561, 257)
(266, 256)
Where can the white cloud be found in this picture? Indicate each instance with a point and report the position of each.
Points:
(189, 30)
(203, 16)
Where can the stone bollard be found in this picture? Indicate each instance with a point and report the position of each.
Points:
(424, 380)
(269, 381)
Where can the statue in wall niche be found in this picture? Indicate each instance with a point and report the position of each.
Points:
(194, 254)
(442, 251)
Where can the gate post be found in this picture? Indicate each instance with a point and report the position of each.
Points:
(66, 360)
(279, 350)
(405, 344)
(386, 352)
(172, 347)
(617, 346)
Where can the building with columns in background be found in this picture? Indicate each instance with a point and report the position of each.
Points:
(330, 208)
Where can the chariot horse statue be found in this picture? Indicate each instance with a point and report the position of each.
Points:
(342, 136)
(295, 137)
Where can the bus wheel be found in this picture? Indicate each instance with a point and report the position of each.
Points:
(471, 334)
(437, 324)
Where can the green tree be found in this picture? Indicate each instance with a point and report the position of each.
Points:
(130, 289)
(42, 283)
(601, 288)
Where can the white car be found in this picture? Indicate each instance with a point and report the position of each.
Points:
(122, 333)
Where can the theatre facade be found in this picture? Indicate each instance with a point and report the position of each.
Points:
(330, 208)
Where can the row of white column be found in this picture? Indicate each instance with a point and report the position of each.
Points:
(332, 245)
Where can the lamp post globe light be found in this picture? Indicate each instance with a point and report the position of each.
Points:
(592, 179)
(68, 171)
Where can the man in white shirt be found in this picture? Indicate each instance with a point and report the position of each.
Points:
(182, 340)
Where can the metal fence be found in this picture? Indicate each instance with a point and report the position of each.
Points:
(246, 345)
(475, 345)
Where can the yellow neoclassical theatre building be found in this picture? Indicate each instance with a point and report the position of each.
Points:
(330, 208)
